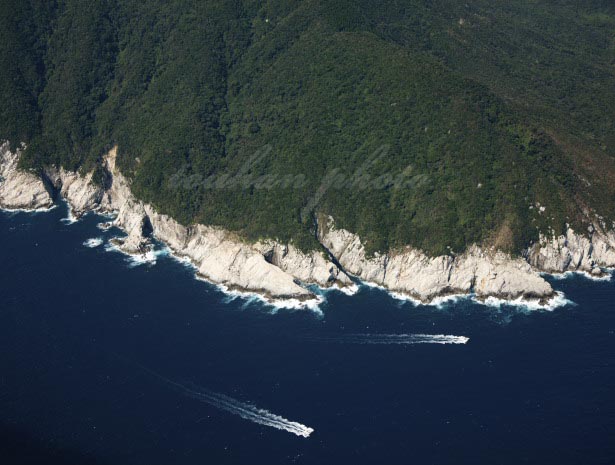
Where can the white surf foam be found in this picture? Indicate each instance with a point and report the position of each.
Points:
(148, 258)
(606, 276)
(444, 301)
(275, 304)
(70, 218)
(559, 300)
(439, 302)
(138, 259)
(93, 242)
(402, 297)
(184, 261)
(108, 214)
(27, 210)
(105, 226)
(348, 290)
(397, 339)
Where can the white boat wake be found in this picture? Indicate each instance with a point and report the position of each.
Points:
(249, 412)
(399, 339)
(244, 410)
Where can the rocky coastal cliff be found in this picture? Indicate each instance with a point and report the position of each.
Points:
(280, 271)
(409, 271)
(575, 252)
(20, 189)
(271, 269)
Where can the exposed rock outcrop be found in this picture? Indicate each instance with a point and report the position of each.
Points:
(82, 194)
(307, 267)
(280, 271)
(574, 252)
(20, 189)
(411, 272)
(219, 255)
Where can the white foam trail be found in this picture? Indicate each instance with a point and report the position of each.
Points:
(244, 410)
(398, 339)
(93, 242)
(250, 412)
(559, 300)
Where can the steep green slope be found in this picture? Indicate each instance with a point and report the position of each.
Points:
(431, 123)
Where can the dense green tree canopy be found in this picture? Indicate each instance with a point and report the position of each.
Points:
(431, 123)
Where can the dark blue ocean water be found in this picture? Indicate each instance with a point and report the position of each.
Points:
(80, 328)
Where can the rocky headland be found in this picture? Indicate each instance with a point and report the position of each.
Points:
(281, 271)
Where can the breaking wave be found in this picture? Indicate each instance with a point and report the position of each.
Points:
(559, 300)
(105, 226)
(93, 242)
(70, 218)
(347, 290)
(606, 276)
(14, 211)
(275, 304)
(150, 257)
(399, 339)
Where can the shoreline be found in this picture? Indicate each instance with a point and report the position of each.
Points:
(113, 245)
(556, 301)
(282, 276)
(606, 276)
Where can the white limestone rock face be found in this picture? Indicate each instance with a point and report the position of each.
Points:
(307, 267)
(175, 235)
(574, 252)
(346, 247)
(79, 191)
(225, 260)
(20, 189)
(276, 270)
(222, 258)
(603, 251)
(497, 274)
(219, 255)
(411, 272)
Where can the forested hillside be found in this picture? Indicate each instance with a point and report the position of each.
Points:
(500, 113)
